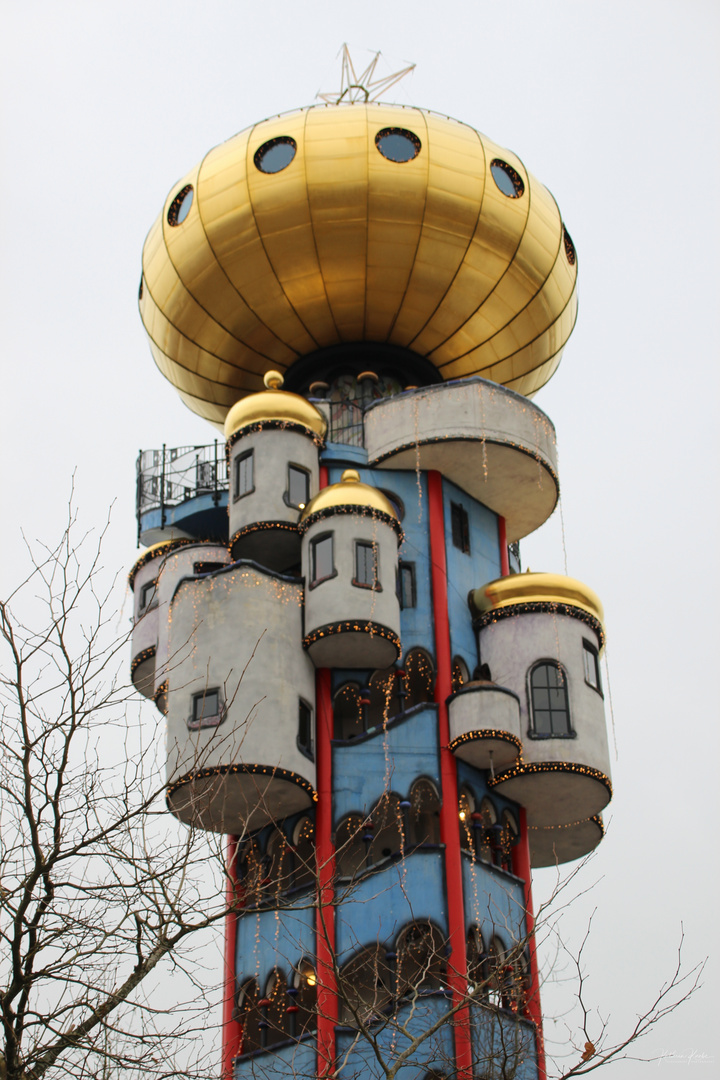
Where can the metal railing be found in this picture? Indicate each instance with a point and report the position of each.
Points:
(170, 476)
(346, 423)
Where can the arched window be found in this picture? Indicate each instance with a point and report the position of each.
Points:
(496, 964)
(385, 696)
(460, 673)
(348, 712)
(278, 865)
(419, 678)
(304, 995)
(477, 961)
(487, 838)
(276, 1016)
(249, 1016)
(424, 823)
(550, 709)
(366, 986)
(421, 957)
(350, 847)
(466, 808)
(509, 838)
(251, 871)
(388, 828)
(304, 853)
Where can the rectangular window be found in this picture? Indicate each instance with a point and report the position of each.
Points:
(244, 482)
(322, 558)
(460, 527)
(148, 594)
(207, 567)
(205, 709)
(406, 585)
(591, 665)
(366, 565)
(298, 487)
(304, 737)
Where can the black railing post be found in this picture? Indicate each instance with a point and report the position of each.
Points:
(216, 492)
(138, 493)
(162, 490)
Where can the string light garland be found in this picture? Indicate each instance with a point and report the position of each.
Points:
(146, 654)
(162, 549)
(356, 510)
(532, 607)
(434, 439)
(161, 691)
(486, 733)
(215, 771)
(275, 425)
(260, 526)
(535, 768)
(594, 820)
(372, 628)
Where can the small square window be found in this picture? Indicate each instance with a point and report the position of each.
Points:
(206, 710)
(460, 527)
(591, 665)
(366, 565)
(244, 478)
(148, 594)
(406, 585)
(298, 487)
(322, 565)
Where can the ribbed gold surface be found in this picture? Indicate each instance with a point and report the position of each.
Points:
(344, 245)
(274, 405)
(349, 492)
(537, 588)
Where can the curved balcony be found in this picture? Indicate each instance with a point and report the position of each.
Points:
(485, 725)
(564, 843)
(493, 443)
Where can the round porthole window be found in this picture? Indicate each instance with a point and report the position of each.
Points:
(397, 144)
(507, 179)
(275, 155)
(569, 247)
(180, 206)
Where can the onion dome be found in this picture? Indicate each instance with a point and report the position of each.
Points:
(350, 492)
(544, 589)
(277, 407)
(347, 224)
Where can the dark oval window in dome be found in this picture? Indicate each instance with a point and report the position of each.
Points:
(507, 179)
(397, 144)
(180, 206)
(275, 155)
(141, 289)
(569, 247)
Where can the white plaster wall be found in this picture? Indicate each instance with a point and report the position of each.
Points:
(512, 645)
(274, 449)
(482, 709)
(240, 631)
(337, 599)
(491, 442)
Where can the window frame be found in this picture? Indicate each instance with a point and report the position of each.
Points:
(314, 544)
(307, 749)
(590, 652)
(459, 517)
(237, 463)
(406, 567)
(197, 723)
(150, 588)
(533, 733)
(357, 580)
(292, 467)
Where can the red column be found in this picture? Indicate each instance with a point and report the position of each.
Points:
(521, 869)
(232, 1029)
(502, 542)
(327, 1002)
(449, 820)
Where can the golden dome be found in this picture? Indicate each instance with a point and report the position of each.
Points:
(537, 588)
(274, 404)
(356, 223)
(349, 492)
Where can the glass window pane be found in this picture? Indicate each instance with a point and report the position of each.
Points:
(298, 487)
(322, 558)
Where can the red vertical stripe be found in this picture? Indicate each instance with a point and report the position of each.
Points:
(502, 542)
(521, 869)
(232, 1029)
(449, 820)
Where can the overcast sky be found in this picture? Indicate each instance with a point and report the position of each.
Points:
(614, 107)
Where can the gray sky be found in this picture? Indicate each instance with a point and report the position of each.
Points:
(614, 107)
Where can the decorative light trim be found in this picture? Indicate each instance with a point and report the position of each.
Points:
(433, 439)
(545, 607)
(235, 770)
(275, 425)
(162, 689)
(533, 768)
(595, 820)
(351, 626)
(356, 510)
(141, 657)
(260, 526)
(487, 733)
(163, 548)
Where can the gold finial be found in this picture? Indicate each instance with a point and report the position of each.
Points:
(351, 476)
(273, 380)
(363, 87)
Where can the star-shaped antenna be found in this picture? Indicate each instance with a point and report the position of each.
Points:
(363, 87)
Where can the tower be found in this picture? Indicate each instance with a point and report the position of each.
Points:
(389, 719)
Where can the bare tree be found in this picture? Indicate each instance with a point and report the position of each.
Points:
(99, 886)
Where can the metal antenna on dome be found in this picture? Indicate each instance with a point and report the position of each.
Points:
(362, 87)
